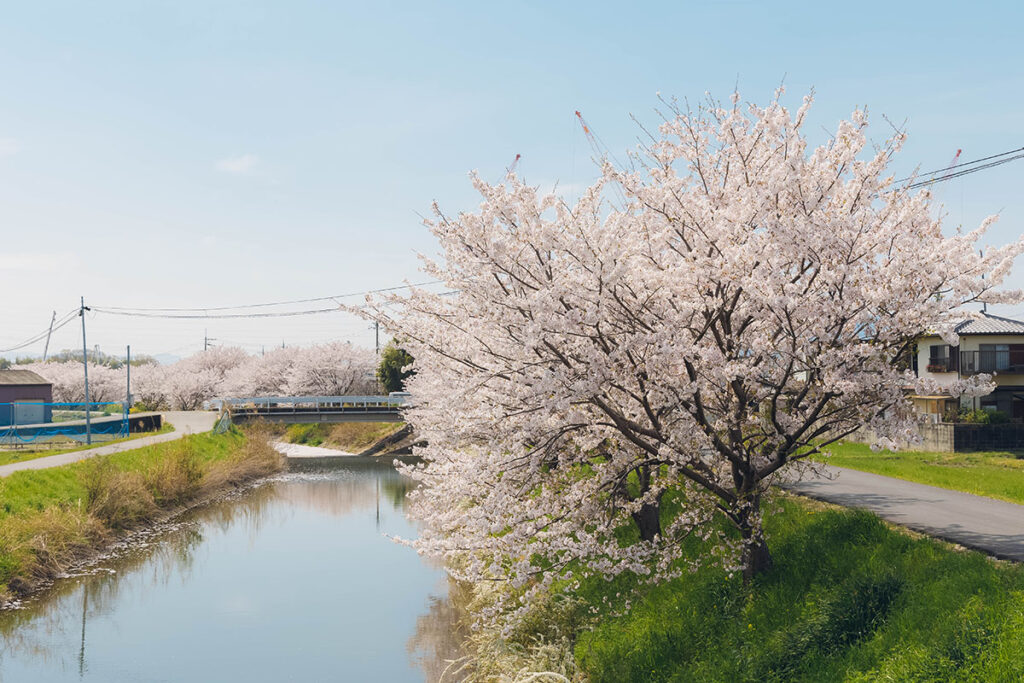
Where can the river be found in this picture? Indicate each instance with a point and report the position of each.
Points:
(291, 580)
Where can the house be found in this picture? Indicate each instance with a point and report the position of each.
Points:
(990, 344)
(24, 396)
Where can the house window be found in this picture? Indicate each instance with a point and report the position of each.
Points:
(942, 358)
(1005, 357)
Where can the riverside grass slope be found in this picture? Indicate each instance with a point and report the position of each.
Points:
(52, 518)
(850, 598)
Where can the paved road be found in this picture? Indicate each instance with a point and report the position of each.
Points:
(992, 526)
(184, 423)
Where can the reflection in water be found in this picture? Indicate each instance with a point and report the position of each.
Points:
(292, 579)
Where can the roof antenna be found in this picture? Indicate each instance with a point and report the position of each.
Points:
(981, 253)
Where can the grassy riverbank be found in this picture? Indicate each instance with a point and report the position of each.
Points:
(351, 437)
(995, 474)
(8, 456)
(51, 518)
(849, 599)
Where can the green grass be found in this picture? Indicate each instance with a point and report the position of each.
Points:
(38, 489)
(996, 475)
(10, 456)
(849, 599)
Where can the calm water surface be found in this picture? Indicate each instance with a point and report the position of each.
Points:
(292, 580)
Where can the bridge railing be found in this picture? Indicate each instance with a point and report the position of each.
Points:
(305, 404)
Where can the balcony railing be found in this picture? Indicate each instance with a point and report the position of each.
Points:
(940, 364)
(973, 362)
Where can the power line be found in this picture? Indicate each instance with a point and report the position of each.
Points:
(962, 169)
(71, 315)
(212, 316)
(956, 174)
(110, 309)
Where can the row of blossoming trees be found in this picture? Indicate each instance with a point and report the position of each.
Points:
(657, 355)
(332, 369)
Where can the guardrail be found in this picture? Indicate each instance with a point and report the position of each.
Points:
(309, 406)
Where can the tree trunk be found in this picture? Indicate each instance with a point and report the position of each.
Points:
(648, 521)
(756, 557)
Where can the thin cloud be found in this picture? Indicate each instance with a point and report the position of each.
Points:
(37, 262)
(9, 147)
(240, 165)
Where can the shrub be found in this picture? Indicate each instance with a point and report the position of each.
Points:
(177, 477)
(984, 417)
(118, 499)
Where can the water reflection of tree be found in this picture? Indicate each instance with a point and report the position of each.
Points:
(440, 633)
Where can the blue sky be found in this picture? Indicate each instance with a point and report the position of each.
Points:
(219, 153)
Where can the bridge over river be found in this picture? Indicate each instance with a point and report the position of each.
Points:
(312, 409)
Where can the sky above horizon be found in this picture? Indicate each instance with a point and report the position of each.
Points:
(192, 154)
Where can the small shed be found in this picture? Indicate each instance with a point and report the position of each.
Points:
(24, 398)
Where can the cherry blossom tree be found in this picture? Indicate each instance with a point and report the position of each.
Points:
(262, 375)
(327, 369)
(692, 328)
(334, 369)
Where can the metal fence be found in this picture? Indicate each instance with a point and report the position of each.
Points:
(31, 422)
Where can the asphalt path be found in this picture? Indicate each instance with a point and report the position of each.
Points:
(992, 526)
(185, 422)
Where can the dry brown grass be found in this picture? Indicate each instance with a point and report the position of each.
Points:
(117, 499)
(177, 478)
(256, 458)
(47, 543)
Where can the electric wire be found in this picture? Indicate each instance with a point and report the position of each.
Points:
(64, 320)
(961, 169)
(968, 171)
(110, 309)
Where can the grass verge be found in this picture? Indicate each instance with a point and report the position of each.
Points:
(849, 599)
(352, 437)
(53, 518)
(993, 474)
(8, 456)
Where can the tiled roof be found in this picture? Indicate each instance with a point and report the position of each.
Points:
(990, 324)
(8, 377)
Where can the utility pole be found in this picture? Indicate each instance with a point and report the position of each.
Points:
(85, 366)
(981, 253)
(206, 340)
(46, 348)
(376, 337)
(128, 388)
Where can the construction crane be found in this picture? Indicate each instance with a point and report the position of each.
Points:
(512, 167)
(956, 158)
(601, 152)
(595, 144)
